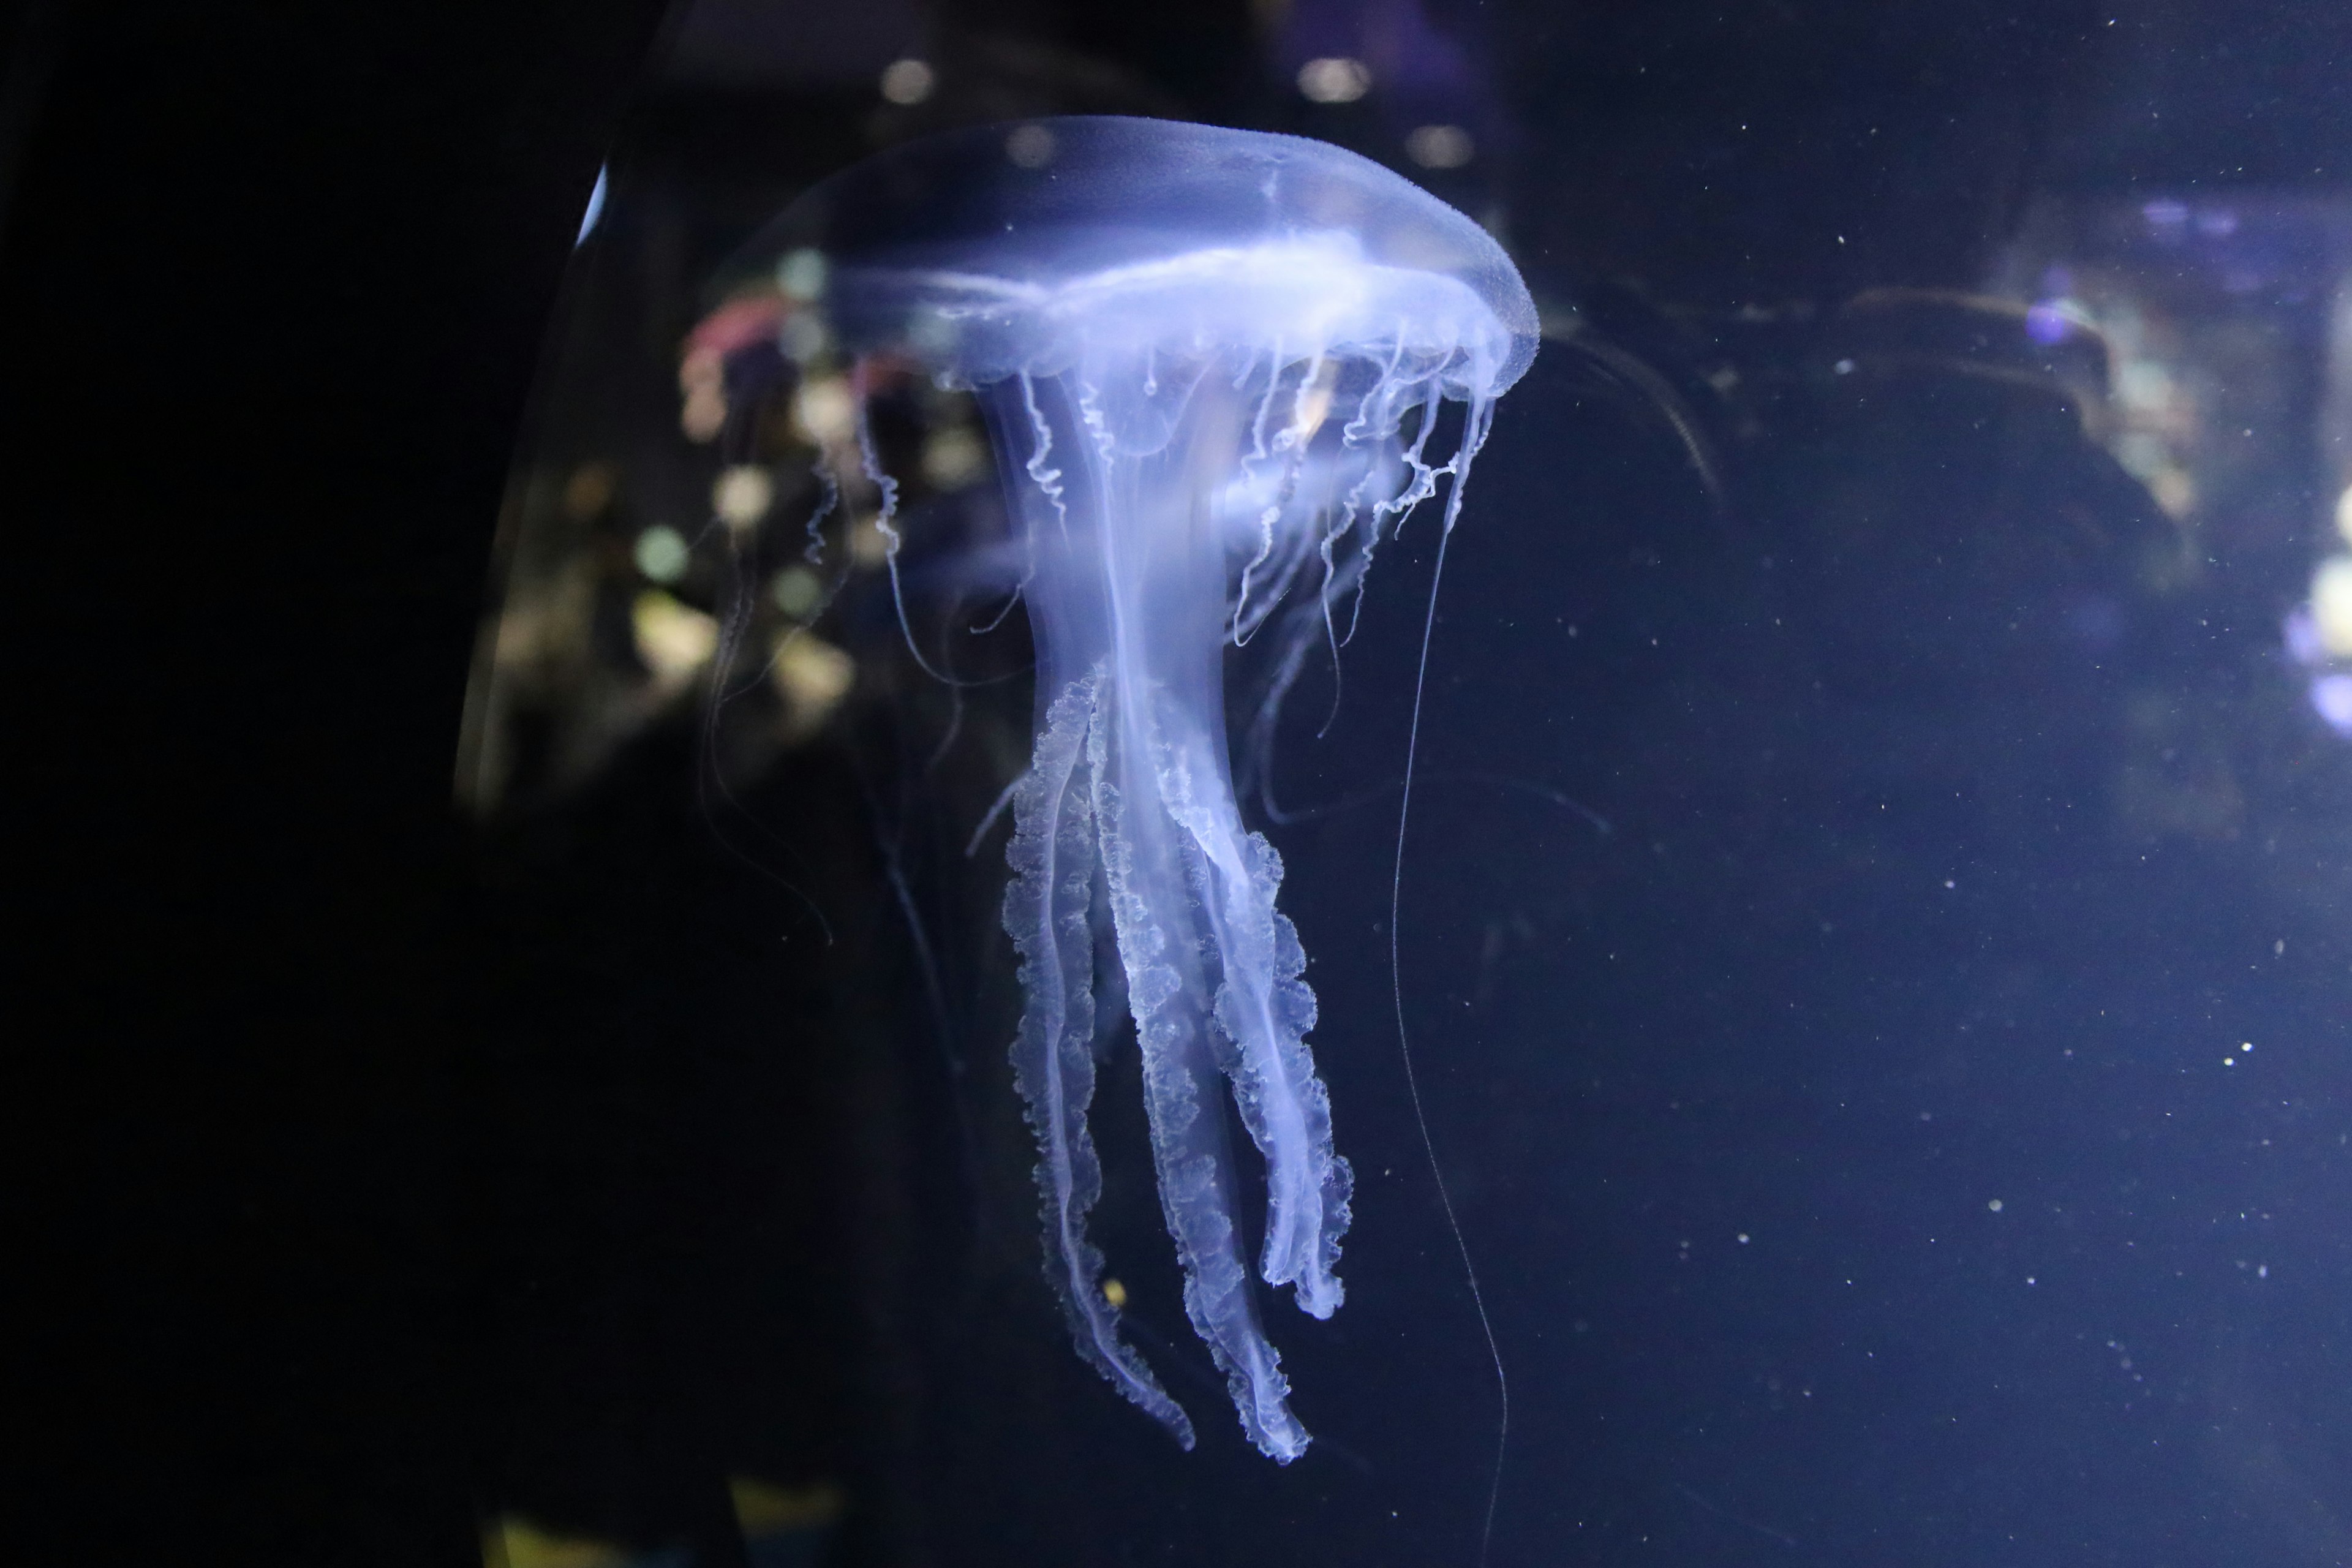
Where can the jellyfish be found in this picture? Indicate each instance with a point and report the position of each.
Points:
(1211, 365)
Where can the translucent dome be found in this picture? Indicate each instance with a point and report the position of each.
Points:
(1005, 250)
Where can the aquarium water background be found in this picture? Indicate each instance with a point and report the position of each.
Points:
(1876, 926)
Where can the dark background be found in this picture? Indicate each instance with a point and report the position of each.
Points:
(380, 1177)
(274, 284)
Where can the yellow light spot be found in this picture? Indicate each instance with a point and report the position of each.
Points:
(954, 458)
(1114, 1292)
(868, 545)
(763, 1508)
(823, 412)
(673, 640)
(741, 495)
(2331, 604)
(517, 1543)
(813, 676)
(1334, 78)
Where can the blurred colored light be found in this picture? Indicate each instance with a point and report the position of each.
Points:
(673, 640)
(813, 676)
(801, 275)
(748, 318)
(803, 337)
(909, 81)
(2302, 643)
(2144, 385)
(514, 1542)
(1030, 146)
(1440, 147)
(2331, 698)
(742, 495)
(933, 333)
(661, 553)
(796, 591)
(2344, 515)
(589, 491)
(825, 410)
(705, 411)
(868, 545)
(2331, 604)
(954, 458)
(2057, 317)
(702, 377)
(765, 1508)
(1334, 79)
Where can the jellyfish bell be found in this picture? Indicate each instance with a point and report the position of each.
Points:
(1212, 363)
(1128, 227)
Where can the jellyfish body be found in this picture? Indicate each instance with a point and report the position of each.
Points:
(1212, 363)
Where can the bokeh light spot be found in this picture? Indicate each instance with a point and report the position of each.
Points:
(909, 81)
(673, 640)
(954, 458)
(824, 411)
(1030, 146)
(2331, 604)
(742, 495)
(661, 553)
(1440, 147)
(801, 275)
(2331, 698)
(796, 591)
(1334, 79)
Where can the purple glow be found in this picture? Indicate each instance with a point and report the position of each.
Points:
(2165, 215)
(2302, 644)
(2331, 698)
(2045, 323)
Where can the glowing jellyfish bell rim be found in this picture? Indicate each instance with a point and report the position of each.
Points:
(1208, 359)
(922, 257)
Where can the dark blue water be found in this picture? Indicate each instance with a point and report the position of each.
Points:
(1875, 932)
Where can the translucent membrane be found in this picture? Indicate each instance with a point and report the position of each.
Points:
(1211, 362)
